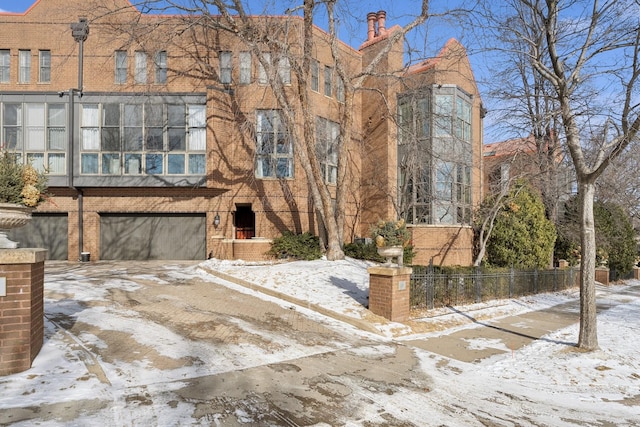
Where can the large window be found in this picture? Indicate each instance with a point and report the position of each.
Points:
(150, 138)
(435, 156)
(327, 140)
(24, 66)
(45, 66)
(5, 65)
(37, 133)
(274, 150)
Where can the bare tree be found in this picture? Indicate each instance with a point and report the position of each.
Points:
(288, 40)
(588, 53)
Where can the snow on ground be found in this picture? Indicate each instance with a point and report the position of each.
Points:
(546, 376)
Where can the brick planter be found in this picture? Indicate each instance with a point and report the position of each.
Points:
(389, 292)
(21, 308)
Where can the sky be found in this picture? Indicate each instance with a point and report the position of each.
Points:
(542, 383)
(353, 27)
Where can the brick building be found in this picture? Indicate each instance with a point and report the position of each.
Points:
(166, 142)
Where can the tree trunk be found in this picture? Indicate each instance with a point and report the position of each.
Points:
(588, 338)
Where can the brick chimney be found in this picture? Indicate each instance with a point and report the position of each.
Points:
(372, 17)
(376, 24)
(382, 18)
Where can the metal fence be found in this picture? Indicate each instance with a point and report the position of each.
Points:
(431, 289)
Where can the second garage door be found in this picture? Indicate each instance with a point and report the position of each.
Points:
(152, 236)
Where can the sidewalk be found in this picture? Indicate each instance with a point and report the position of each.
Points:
(467, 334)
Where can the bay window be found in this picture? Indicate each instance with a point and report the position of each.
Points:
(435, 155)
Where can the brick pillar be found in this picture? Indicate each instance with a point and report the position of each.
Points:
(21, 308)
(389, 292)
(602, 275)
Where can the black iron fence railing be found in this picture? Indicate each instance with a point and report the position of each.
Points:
(432, 289)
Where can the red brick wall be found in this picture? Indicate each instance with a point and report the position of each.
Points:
(388, 295)
(251, 249)
(21, 310)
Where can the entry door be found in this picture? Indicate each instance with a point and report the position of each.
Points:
(245, 224)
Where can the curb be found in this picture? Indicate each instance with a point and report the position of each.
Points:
(360, 324)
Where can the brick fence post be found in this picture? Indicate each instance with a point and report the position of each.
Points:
(389, 292)
(21, 308)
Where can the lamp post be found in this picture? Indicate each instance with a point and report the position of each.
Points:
(80, 32)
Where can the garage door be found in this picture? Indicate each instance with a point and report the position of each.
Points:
(152, 236)
(48, 231)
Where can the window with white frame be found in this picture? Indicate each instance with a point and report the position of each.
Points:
(149, 139)
(225, 59)
(5, 65)
(327, 141)
(245, 67)
(36, 131)
(161, 67)
(140, 75)
(120, 67)
(45, 66)
(12, 126)
(274, 149)
(24, 66)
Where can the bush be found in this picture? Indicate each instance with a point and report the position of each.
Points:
(303, 246)
(522, 235)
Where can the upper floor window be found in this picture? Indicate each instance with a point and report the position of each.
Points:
(245, 67)
(225, 59)
(328, 80)
(45, 66)
(263, 77)
(24, 66)
(463, 119)
(37, 132)
(161, 67)
(274, 150)
(443, 114)
(315, 75)
(327, 139)
(140, 76)
(121, 67)
(5, 65)
(435, 156)
(153, 139)
(282, 67)
(339, 89)
(284, 70)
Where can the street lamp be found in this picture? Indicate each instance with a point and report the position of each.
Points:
(80, 32)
